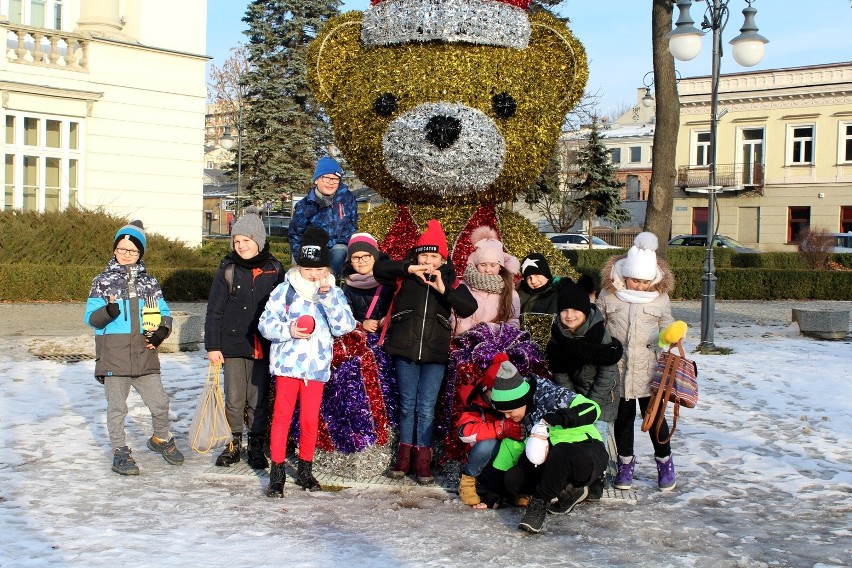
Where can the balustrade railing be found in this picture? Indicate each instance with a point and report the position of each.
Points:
(728, 176)
(46, 48)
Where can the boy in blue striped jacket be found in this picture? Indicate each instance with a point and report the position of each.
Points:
(131, 319)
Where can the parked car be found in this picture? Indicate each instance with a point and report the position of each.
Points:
(701, 241)
(842, 242)
(277, 225)
(573, 241)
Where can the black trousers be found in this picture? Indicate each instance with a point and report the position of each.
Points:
(625, 425)
(577, 463)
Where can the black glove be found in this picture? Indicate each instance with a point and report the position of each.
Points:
(113, 310)
(577, 415)
(160, 334)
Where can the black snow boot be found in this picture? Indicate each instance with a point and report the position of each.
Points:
(534, 516)
(256, 459)
(123, 463)
(231, 455)
(306, 479)
(276, 480)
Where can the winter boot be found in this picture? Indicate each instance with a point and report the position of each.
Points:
(467, 490)
(422, 465)
(596, 489)
(167, 449)
(666, 479)
(403, 461)
(521, 500)
(306, 479)
(534, 516)
(567, 499)
(256, 458)
(624, 477)
(231, 455)
(276, 480)
(123, 463)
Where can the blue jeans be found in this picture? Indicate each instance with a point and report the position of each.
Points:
(419, 384)
(338, 258)
(480, 455)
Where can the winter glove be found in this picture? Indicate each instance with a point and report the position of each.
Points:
(159, 335)
(510, 429)
(672, 334)
(113, 310)
(578, 415)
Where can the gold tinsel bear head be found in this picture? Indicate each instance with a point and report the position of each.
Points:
(447, 101)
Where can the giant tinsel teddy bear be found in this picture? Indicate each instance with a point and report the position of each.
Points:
(448, 108)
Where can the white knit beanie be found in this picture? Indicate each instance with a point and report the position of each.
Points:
(641, 261)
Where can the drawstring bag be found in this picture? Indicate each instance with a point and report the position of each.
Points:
(675, 380)
(210, 428)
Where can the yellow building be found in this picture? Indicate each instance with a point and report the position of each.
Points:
(784, 156)
(103, 105)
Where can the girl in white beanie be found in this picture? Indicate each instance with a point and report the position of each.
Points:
(635, 303)
(490, 276)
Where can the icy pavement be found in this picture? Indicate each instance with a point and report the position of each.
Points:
(764, 468)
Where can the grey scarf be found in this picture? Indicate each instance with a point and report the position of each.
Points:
(491, 283)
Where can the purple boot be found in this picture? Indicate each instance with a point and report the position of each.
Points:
(666, 479)
(624, 477)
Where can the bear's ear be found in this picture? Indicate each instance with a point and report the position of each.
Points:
(337, 44)
(554, 41)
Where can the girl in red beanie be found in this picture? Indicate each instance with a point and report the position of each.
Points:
(418, 338)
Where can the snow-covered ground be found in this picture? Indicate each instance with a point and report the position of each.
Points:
(764, 479)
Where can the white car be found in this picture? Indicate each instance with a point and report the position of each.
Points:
(842, 242)
(574, 241)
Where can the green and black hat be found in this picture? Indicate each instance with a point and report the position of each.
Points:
(510, 390)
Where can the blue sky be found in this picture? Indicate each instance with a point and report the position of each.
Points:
(617, 37)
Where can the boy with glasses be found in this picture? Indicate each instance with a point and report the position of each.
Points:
(131, 319)
(330, 206)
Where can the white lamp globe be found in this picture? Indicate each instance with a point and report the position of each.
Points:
(685, 46)
(748, 52)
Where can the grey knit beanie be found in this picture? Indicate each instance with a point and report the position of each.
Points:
(251, 226)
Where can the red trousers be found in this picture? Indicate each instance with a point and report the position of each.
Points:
(309, 395)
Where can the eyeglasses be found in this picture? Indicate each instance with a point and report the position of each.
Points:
(330, 179)
(361, 258)
(128, 252)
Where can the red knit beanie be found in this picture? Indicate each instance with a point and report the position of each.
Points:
(490, 374)
(433, 239)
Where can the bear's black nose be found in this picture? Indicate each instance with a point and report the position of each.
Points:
(442, 130)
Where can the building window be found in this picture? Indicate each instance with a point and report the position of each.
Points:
(633, 187)
(36, 13)
(699, 220)
(702, 149)
(751, 156)
(846, 219)
(615, 155)
(42, 158)
(846, 142)
(801, 149)
(635, 154)
(798, 219)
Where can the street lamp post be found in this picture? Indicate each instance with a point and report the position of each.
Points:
(226, 141)
(748, 49)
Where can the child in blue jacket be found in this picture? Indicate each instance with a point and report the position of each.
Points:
(301, 318)
(131, 319)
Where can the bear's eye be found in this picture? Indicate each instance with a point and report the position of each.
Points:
(385, 105)
(504, 105)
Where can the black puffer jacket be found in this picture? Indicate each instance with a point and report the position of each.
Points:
(360, 298)
(232, 314)
(539, 301)
(420, 327)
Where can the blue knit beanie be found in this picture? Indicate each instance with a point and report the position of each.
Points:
(135, 233)
(327, 166)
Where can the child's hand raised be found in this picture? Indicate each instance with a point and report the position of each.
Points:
(112, 308)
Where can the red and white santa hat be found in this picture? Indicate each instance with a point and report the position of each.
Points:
(502, 23)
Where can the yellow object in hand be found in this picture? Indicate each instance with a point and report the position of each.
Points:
(151, 317)
(673, 333)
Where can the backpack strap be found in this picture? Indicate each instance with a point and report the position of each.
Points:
(375, 300)
(389, 312)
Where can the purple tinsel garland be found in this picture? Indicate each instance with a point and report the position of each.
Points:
(387, 379)
(346, 410)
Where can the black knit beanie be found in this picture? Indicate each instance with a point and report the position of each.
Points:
(313, 252)
(574, 296)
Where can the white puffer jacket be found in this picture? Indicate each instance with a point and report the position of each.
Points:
(636, 325)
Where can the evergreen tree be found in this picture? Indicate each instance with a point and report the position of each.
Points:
(284, 129)
(598, 193)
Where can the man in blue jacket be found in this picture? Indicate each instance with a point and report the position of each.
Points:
(329, 206)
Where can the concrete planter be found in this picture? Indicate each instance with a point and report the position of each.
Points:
(822, 324)
(187, 333)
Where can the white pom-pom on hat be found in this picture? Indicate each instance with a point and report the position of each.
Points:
(641, 261)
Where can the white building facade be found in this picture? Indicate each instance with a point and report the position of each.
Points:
(103, 105)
